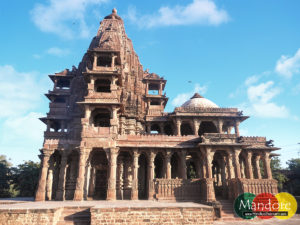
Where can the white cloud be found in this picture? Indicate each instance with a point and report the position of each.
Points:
(183, 97)
(287, 66)
(19, 92)
(65, 18)
(260, 101)
(251, 80)
(57, 51)
(201, 12)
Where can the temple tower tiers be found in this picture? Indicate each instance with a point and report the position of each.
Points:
(108, 136)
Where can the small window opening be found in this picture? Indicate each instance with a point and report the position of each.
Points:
(63, 84)
(102, 85)
(59, 100)
(153, 89)
(155, 129)
(168, 129)
(102, 118)
(155, 102)
(104, 61)
(186, 129)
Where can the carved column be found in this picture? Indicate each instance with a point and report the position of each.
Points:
(40, 193)
(230, 169)
(78, 195)
(151, 175)
(134, 192)
(60, 194)
(257, 167)
(178, 126)
(111, 191)
(168, 164)
(267, 167)
(249, 165)
(95, 62)
(236, 153)
(183, 164)
(210, 192)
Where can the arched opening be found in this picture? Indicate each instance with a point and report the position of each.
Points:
(186, 129)
(143, 177)
(124, 175)
(159, 166)
(175, 166)
(71, 175)
(153, 89)
(219, 171)
(191, 169)
(101, 118)
(102, 85)
(98, 175)
(207, 127)
(53, 173)
(155, 129)
(168, 129)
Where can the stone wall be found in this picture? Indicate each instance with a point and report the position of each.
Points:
(167, 215)
(29, 216)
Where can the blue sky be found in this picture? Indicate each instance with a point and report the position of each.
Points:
(243, 54)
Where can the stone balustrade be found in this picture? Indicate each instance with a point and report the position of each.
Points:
(177, 189)
(205, 110)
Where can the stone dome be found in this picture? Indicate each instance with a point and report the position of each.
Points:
(197, 101)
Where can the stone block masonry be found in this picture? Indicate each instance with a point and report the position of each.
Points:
(167, 215)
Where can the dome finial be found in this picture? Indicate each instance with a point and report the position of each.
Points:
(114, 11)
(196, 95)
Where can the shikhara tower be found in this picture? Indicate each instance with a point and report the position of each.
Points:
(108, 136)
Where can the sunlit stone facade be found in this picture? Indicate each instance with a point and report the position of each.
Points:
(109, 138)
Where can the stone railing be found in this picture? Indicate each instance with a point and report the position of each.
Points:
(206, 110)
(95, 131)
(255, 186)
(177, 189)
(155, 112)
(218, 138)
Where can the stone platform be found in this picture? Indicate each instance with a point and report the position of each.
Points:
(105, 212)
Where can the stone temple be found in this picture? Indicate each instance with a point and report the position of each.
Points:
(108, 136)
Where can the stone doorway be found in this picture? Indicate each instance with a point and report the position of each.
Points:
(100, 184)
(142, 177)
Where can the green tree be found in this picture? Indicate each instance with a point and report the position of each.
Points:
(294, 164)
(277, 175)
(25, 178)
(6, 189)
(294, 167)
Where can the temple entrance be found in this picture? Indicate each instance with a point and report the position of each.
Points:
(99, 175)
(143, 177)
(219, 175)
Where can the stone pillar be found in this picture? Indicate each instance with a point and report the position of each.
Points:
(60, 194)
(78, 195)
(196, 127)
(48, 126)
(183, 164)
(249, 165)
(267, 167)
(95, 62)
(120, 169)
(135, 192)
(220, 126)
(111, 191)
(178, 126)
(236, 153)
(237, 129)
(148, 128)
(257, 172)
(151, 176)
(160, 88)
(49, 184)
(210, 192)
(168, 165)
(40, 193)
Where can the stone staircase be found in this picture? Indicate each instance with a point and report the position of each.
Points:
(75, 216)
(227, 212)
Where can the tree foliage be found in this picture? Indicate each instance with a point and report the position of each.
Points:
(18, 181)
(277, 175)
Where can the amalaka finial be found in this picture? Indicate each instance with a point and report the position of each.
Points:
(114, 11)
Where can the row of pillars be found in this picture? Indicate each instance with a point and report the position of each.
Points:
(207, 156)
